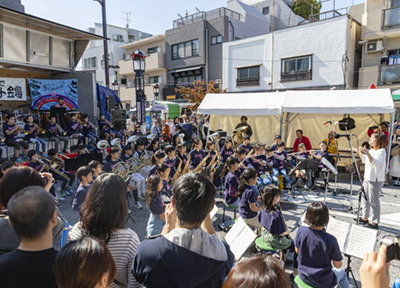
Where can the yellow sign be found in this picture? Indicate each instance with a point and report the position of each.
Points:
(171, 97)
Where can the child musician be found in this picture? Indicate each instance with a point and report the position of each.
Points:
(211, 153)
(171, 159)
(75, 130)
(280, 165)
(246, 145)
(323, 153)
(111, 160)
(301, 156)
(156, 205)
(164, 170)
(53, 155)
(96, 169)
(156, 159)
(153, 147)
(105, 128)
(196, 155)
(270, 162)
(85, 176)
(232, 175)
(248, 198)
(227, 150)
(258, 162)
(136, 178)
(274, 231)
(181, 156)
(315, 261)
(52, 129)
(140, 151)
(33, 134)
(11, 134)
(89, 130)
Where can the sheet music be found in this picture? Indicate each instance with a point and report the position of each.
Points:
(213, 211)
(340, 230)
(239, 238)
(360, 241)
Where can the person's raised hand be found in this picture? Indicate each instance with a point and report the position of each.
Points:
(50, 180)
(374, 270)
(170, 219)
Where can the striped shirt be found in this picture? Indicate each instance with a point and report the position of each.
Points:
(122, 246)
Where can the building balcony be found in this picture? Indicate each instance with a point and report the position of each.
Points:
(389, 75)
(154, 62)
(245, 82)
(391, 17)
(219, 12)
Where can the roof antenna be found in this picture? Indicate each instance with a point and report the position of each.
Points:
(127, 19)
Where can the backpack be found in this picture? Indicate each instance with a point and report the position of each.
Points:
(349, 123)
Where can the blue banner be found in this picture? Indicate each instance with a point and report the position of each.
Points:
(45, 93)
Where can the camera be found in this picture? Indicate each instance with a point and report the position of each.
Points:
(393, 248)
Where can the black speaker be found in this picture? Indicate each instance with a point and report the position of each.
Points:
(119, 124)
(110, 103)
(118, 119)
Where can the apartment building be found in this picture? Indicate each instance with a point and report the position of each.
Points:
(93, 57)
(154, 48)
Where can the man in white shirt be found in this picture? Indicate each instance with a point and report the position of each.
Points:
(171, 127)
(154, 129)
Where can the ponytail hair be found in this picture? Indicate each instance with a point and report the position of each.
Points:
(195, 143)
(268, 195)
(230, 161)
(162, 168)
(248, 173)
(158, 155)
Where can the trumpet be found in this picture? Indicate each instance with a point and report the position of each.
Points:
(20, 129)
(61, 130)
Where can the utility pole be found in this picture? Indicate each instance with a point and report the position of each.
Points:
(105, 42)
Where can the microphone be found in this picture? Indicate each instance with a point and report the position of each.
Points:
(341, 123)
(326, 122)
(337, 136)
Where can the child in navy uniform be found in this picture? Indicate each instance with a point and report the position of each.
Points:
(105, 128)
(280, 164)
(301, 156)
(227, 150)
(88, 130)
(248, 198)
(246, 146)
(181, 156)
(274, 232)
(189, 253)
(231, 174)
(84, 175)
(269, 167)
(258, 162)
(318, 250)
(156, 159)
(136, 178)
(75, 130)
(156, 205)
(323, 153)
(33, 134)
(196, 155)
(96, 169)
(163, 171)
(52, 130)
(170, 159)
(211, 152)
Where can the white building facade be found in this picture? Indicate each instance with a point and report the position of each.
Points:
(313, 55)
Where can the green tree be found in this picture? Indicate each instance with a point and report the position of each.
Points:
(197, 93)
(303, 7)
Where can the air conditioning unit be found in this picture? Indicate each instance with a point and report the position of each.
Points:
(120, 38)
(374, 46)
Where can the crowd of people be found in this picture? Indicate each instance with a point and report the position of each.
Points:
(181, 248)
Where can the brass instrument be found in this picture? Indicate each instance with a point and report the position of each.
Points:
(122, 170)
(53, 169)
(181, 136)
(198, 168)
(62, 155)
(134, 164)
(55, 163)
(116, 142)
(20, 129)
(61, 130)
(150, 137)
(211, 166)
(145, 159)
(177, 171)
(186, 168)
(213, 138)
(102, 145)
(237, 136)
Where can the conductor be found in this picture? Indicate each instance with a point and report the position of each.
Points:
(244, 123)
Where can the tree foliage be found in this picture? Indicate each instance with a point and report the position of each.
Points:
(197, 93)
(303, 7)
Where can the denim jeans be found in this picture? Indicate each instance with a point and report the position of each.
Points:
(283, 173)
(341, 276)
(154, 225)
(92, 137)
(39, 142)
(274, 176)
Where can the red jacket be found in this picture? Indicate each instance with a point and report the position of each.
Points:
(304, 140)
(370, 131)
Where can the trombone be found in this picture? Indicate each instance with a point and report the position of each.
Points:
(53, 169)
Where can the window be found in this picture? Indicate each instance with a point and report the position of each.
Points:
(109, 60)
(187, 80)
(395, 3)
(216, 40)
(89, 63)
(265, 10)
(186, 49)
(152, 50)
(249, 76)
(296, 69)
(153, 80)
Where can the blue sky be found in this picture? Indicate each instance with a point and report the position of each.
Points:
(153, 17)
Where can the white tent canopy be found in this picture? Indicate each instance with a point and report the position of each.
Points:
(372, 101)
(238, 104)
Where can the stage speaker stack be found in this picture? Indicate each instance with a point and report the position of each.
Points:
(118, 119)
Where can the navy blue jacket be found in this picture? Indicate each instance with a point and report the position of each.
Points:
(161, 263)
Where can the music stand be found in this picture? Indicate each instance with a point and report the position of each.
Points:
(307, 164)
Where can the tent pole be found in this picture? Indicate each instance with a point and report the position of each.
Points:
(390, 144)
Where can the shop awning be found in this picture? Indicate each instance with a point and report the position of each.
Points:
(185, 69)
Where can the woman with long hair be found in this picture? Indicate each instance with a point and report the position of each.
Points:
(155, 204)
(103, 215)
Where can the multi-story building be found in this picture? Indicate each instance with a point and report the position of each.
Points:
(93, 57)
(380, 38)
(154, 48)
(322, 54)
(194, 44)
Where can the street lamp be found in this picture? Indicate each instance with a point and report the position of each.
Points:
(115, 86)
(156, 91)
(139, 66)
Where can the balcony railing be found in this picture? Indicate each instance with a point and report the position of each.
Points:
(391, 17)
(296, 76)
(389, 75)
(327, 15)
(243, 82)
(207, 16)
